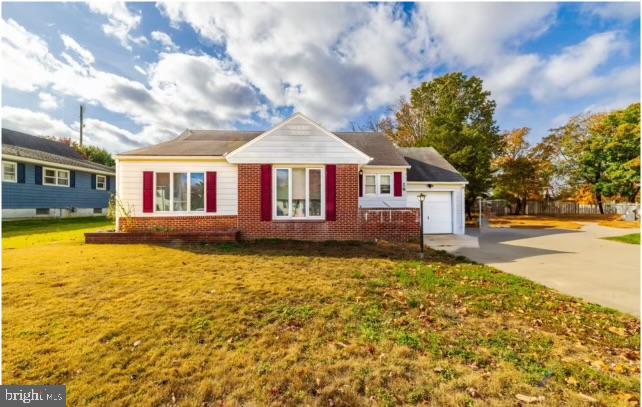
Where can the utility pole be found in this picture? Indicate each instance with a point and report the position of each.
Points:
(82, 111)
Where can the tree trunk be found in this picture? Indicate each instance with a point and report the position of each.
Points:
(518, 207)
(469, 207)
(598, 199)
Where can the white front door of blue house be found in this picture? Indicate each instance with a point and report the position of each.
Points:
(438, 212)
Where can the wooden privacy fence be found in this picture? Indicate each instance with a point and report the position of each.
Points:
(501, 207)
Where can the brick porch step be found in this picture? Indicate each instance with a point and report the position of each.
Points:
(215, 236)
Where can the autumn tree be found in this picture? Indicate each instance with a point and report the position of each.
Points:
(521, 171)
(600, 151)
(453, 114)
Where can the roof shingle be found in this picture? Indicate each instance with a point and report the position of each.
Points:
(426, 164)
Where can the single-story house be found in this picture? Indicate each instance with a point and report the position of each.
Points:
(47, 178)
(294, 181)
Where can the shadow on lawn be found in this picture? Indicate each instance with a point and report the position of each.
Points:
(343, 249)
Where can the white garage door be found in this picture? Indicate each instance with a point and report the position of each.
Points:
(438, 212)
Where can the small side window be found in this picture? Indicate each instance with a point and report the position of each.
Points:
(9, 171)
(101, 182)
(98, 210)
(42, 211)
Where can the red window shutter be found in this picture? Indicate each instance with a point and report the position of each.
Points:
(397, 183)
(148, 191)
(210, 184)
(266, 192)
(330, 192)
(360, 184)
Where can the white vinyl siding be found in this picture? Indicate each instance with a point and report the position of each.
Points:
(298, 141)
(379, 187)
(130, 185)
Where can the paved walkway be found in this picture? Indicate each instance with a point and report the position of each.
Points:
(577, 263)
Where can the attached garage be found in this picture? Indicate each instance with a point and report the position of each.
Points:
(443, 187)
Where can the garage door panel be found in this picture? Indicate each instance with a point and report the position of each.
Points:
(438, 213)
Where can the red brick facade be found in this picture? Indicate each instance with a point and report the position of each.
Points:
(352, 223)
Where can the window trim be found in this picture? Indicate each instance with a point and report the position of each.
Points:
(104, 177)
(189, 192)
(15, 171)
(290, 217)
(378, 184)
(56, 184)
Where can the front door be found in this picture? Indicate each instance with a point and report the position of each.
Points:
(438, 212)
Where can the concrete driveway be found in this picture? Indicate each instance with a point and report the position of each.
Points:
(577, 263)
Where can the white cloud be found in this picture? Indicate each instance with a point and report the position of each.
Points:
(333, 70)
(100, 133)
(625, 12)
(184, 91)
(572, 72)
(36, 123)
(510, 75)
(120, 21)
(47, 101)
(475, 34)
(140, 70)
(71, 44)
(165, 40)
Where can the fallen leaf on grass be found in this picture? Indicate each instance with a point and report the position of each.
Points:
(587, 398)
(617, 331)
(529, 399)
(571, 380)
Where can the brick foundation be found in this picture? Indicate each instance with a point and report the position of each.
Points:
(177, 223)
(162, 237)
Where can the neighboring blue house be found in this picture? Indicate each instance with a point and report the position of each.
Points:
(46, 178)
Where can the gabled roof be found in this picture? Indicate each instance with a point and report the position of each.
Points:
(198, 143)
(18, 144)
(427, 165)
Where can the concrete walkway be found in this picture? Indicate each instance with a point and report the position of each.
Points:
(577, 263)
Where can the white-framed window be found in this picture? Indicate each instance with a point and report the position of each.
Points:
(298, 193)
(55, 177)
(9, 171)
(179, 192)
(101, 182)
(377, 184)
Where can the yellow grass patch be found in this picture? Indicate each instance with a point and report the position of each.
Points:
(291, 323)
(562, 222)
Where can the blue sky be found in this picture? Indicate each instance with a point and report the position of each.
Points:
(146, 71)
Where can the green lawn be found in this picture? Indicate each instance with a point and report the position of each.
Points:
(633, 238)
(291, 323)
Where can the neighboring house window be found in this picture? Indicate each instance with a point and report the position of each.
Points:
(59, 178)
(175, 193)
(101, 182)
(298, 193)
(9, 171)
(42, 211)
(378, 184)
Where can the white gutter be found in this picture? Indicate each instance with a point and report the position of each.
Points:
(11, 157)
